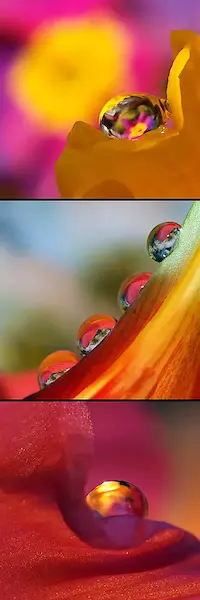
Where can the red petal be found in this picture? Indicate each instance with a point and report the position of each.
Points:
(16, 386)
(40, 558)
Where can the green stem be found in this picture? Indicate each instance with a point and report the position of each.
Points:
(169, 271)
(188, 243)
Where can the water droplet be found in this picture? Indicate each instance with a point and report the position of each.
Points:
(129, 117)
(131, 288)
(112, 498)
(55, 365)
(162, 240)
(93, 331)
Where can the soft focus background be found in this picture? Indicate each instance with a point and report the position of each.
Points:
(60, 61)
(156, 446)
(61, 262)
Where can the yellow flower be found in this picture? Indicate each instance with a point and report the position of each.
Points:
(157, 165)
(69, 69)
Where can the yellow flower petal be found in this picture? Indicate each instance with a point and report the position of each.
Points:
(174, 88)
(189, 80)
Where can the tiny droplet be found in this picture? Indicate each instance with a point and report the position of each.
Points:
(131, 288)
(112, 498)
(55, 365)
(93, 331)
(162, 240)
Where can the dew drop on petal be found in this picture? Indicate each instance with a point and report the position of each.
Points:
(93, 331)
(55, 365)
(112, 498)
(131, 288)
(162, 240)
(129, 117)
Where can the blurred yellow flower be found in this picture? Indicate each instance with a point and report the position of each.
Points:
(69, 69)
(156, 165)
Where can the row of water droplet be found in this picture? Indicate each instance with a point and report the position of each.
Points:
(160, 243)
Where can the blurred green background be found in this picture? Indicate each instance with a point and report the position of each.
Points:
(62, 261)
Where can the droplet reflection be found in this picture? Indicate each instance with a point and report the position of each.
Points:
(55, 365)
(131, 288)
(129, 117)
(112, 498)
(162, 240)
(93, 331)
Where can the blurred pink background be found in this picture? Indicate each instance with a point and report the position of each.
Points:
(156, 446)
(60, 61)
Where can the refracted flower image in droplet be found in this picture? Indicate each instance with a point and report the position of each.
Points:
(129, 117)
(50, 378)
(112, 498)
(131, 288)
(162, 240)
(93, 331)
(54, 366)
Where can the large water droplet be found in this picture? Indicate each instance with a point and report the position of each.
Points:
(129, 117)
(93, 331)
(131, 288)
(162, 240)
(112, 498)
(55, 365)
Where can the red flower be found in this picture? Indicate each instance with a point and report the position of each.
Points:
(44, 457)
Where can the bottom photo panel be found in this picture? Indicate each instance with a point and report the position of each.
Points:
(99, 500)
